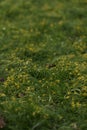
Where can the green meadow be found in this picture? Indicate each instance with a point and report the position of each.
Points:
(43, 64)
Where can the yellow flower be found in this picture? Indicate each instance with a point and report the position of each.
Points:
(84, 94)
(78, 104)
(34, 113)
(73, 103)
(67, 97)
(51, 25)
(13, 98)
(28, 89)
(57, 81)
(60, 22)
(2, 95)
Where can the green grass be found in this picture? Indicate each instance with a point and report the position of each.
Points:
(43, 64)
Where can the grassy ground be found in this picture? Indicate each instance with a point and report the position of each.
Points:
(43, 64)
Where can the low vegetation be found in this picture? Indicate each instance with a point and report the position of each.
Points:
(43, 65)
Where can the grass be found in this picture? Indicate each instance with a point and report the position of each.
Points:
(43, 65)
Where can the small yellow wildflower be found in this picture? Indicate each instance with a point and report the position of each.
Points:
(73, 103)
(78, 104)
(2, 95)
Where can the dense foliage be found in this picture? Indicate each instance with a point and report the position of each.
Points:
(43, 64)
